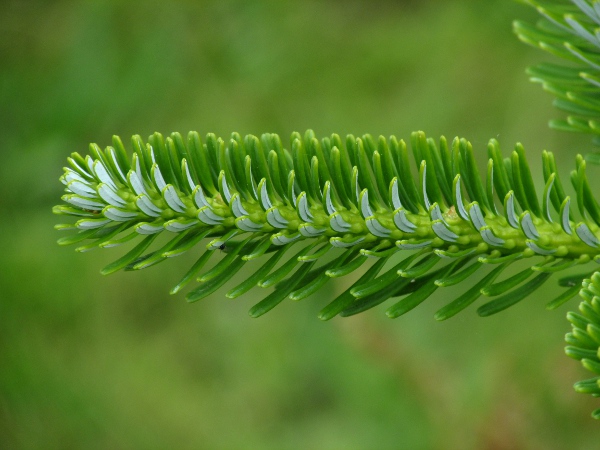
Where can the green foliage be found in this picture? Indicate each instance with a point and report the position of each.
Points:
(322, 208)
(568, 30)
(584, 339)
(329, 206)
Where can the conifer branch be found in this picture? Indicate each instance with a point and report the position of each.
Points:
(331, 206)
(568, 30)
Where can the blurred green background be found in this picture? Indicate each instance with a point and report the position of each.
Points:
(93, 362)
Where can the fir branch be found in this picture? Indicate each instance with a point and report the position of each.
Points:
(568, 30)
(584, 339)
(330, 206)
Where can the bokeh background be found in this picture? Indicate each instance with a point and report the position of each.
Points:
(96, 363)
